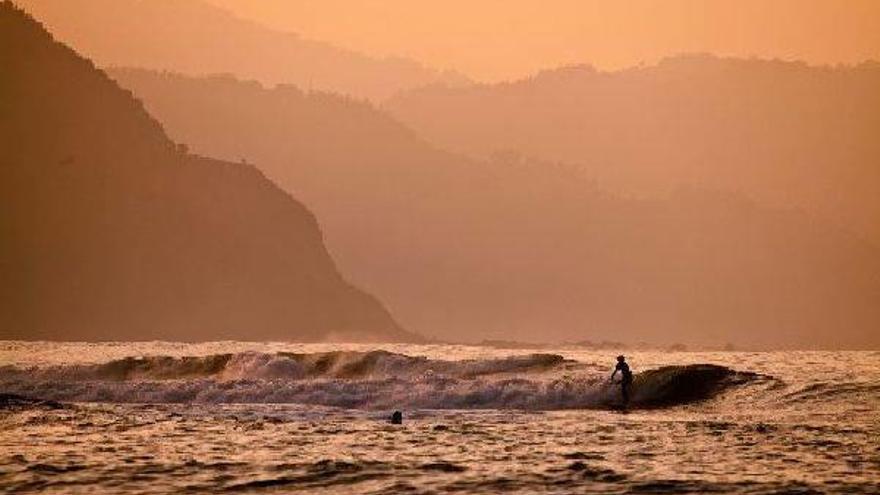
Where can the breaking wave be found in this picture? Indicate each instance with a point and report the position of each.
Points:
(366, 380)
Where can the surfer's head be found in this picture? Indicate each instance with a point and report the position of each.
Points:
(620, 358)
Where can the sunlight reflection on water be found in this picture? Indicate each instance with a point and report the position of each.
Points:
(815, 430)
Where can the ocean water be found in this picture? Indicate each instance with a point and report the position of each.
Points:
(273, 417)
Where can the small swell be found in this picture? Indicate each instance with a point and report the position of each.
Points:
(12, 402)
(825, 391)
(366, 380)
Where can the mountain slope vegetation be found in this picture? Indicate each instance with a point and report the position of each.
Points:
(109, 230)
(515, 248)
(782, 133)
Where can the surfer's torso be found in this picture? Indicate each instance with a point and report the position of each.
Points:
(624, 370)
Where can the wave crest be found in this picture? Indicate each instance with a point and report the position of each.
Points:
(367, 380)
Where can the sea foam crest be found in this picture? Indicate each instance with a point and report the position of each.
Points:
(368, 380)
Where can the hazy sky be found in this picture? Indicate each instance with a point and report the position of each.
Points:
(496, 39)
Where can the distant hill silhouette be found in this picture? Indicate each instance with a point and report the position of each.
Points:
(193, 36)
(111, 231)
(524, 250)
(782, 133)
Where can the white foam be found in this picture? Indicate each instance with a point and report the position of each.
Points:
(369, 380)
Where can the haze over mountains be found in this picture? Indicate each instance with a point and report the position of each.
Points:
(784, 134)
(195, 37)
(702, 200)
(506, 247)
(111, 231)
(498, 40)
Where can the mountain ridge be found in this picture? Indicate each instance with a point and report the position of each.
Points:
(424, 229)
(197, 37)
(785, 133)
(112, 231)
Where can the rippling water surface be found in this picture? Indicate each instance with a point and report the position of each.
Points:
(229, 416)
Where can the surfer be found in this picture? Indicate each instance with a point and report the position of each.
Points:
(626, 379)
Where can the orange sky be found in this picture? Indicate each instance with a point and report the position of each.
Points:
(497, 39)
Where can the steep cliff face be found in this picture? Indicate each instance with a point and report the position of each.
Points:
(518, 249)
(110, 230)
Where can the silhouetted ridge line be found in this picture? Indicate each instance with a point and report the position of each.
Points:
(111, 231)
(783, 133)
(522, 249)
(196, 37)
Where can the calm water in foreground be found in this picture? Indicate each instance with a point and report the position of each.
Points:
(243, 417)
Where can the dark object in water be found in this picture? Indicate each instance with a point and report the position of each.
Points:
(446, 467)
(397, 418)
(764, 428)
